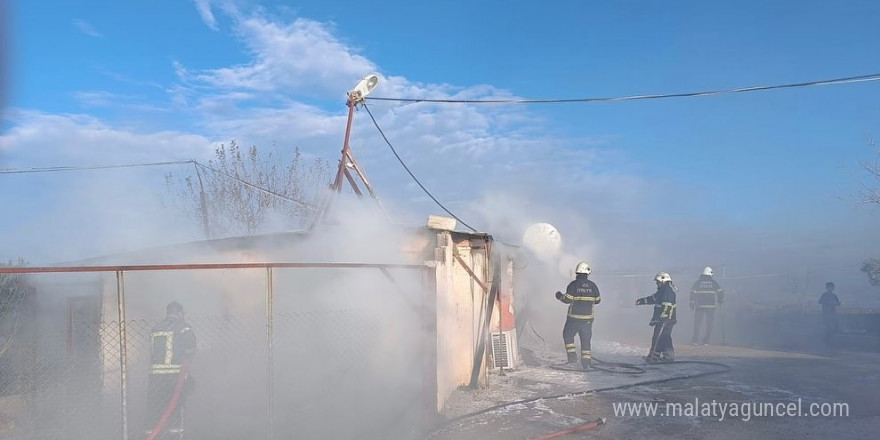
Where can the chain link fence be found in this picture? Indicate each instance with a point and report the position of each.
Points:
(337, 352)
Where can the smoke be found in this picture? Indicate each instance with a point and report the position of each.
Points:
(627, 247)
(347, 341)
(344, 340)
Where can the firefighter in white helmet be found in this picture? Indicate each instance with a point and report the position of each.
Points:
(663, 319)
(580, 295)
(706, 296)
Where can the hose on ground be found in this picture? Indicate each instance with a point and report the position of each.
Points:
(606, 366)
(722, 368)
(579, 428)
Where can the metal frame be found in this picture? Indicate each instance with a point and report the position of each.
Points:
(347, 160)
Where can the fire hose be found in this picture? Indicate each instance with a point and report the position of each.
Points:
(579, 428)
(722, 368)
(171, 406)
(608, 367)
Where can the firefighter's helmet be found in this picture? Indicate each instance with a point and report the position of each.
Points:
(663, 277)
(708, 271)
(173, 307)
(583, 267)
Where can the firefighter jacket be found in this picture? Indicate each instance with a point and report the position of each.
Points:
(706, 293)
(580, 295)
(829, 302)
(172, 342)
(664, 305)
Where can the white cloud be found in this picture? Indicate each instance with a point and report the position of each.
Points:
(204, 8)
(497, 147)
(262, 98)
(86, 28)
(126, 79)
(98, 99)
(298, 57)
(53, 140)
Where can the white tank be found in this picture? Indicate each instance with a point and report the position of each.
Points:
(543, 240)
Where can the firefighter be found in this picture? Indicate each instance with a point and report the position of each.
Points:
(663, 319)
(830, 302)
(172, 344)
(706, 295)
(580, 295)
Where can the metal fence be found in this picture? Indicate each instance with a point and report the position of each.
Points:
(284, 350)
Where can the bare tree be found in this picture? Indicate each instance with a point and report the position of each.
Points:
(797, 285)
(870, 194)
(241, 192)
(870, 191)
(871, 267)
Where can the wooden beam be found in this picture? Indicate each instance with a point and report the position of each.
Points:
(469, 270)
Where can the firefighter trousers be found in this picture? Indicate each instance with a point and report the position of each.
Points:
(699, 313)
(661, 341)
(584, 329)
(160, 391)
(832, 327)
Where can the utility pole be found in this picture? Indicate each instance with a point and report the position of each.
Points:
(347, 161)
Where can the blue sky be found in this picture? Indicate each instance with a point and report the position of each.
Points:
(106, 82)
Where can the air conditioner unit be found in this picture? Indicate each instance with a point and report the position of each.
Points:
(504, 350)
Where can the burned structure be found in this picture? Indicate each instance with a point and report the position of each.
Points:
(290, 339)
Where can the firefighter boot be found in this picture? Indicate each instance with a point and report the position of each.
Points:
(652, 358)
(586, 359)
(667, 356)
(571, 353)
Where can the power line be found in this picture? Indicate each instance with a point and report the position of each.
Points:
(411, 173)
(135, 165)
(766, 275)
(87, 167)
(258, 188)
(824, 82)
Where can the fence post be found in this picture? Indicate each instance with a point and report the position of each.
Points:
(270, 313)
(123, 361)
(430, 364)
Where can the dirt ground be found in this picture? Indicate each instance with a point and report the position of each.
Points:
(785, 380)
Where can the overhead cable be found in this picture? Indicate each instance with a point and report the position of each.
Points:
(824, 82)
(149, 164)
(405, 167)
(87, 167)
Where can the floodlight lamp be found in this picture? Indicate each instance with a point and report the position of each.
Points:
(363, 88)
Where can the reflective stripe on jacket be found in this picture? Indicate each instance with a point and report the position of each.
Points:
(581, 295)
(706, 293)
(664, 304)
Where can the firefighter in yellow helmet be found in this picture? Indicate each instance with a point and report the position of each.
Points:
(580, 295)
(663, 319)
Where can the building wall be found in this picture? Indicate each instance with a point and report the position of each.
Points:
(447, 320)
(461, 306)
